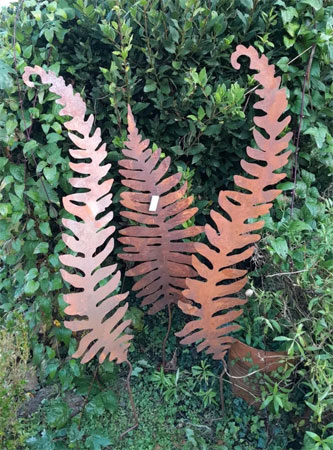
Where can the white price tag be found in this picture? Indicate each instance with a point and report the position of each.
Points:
(154, 202)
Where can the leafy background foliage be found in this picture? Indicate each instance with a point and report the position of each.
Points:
(171, 61)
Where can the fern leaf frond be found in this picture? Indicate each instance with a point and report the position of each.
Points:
(97, 311)
(164, 260)
(233, 240)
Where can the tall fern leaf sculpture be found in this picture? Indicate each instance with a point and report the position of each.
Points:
(212, 297)
(91, 242)
(164, 260)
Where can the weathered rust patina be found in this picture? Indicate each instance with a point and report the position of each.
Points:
(163, 260)
(98, 310)
(212, 298)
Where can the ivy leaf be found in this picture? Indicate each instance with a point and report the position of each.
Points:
(319, 134)
(54, 137)
(49, 34)
(17, 172)
(104, 401)
(50, 371)
(42, 247)
(280, 246)
(74, 367)
(58, 414)
(45, 305)
(288, 14)
(19, 190)
(96, 442)
(45, 126)
(6, 81)
(45, 228)
(283, 64)
(56, 283)
(136, 371)
(31, 287)
(32, 274)
(6, 181)
(61, 13)
(29, 147)
(286, 186)
(62, 334)
(51, 174)
(57, 128)
(27, 51)
(308, 177)
(297, 225)
(312, 207)
(43, 442)
(3, 162)
(46, 193)
(315, 4)
(54, 261)
(288, 42)
(5, 209)
(11, 124)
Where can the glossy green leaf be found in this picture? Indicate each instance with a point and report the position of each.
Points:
(45, 228)
(42, 247)
(31, 287)
(280, 246)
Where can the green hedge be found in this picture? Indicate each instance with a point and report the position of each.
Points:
(172, 63)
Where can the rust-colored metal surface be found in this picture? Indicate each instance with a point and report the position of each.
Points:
(244, 360)
(163, 260)
(231, 241)
(99, 311)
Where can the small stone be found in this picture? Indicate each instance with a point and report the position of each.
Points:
(249, 292)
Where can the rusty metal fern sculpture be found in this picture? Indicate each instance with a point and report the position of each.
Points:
(212, 297)
(164, 260)
(168, 271)
(91, 240)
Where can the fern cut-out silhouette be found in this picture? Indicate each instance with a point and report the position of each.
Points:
(99, 312)
(163, 260)
(212, 297)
